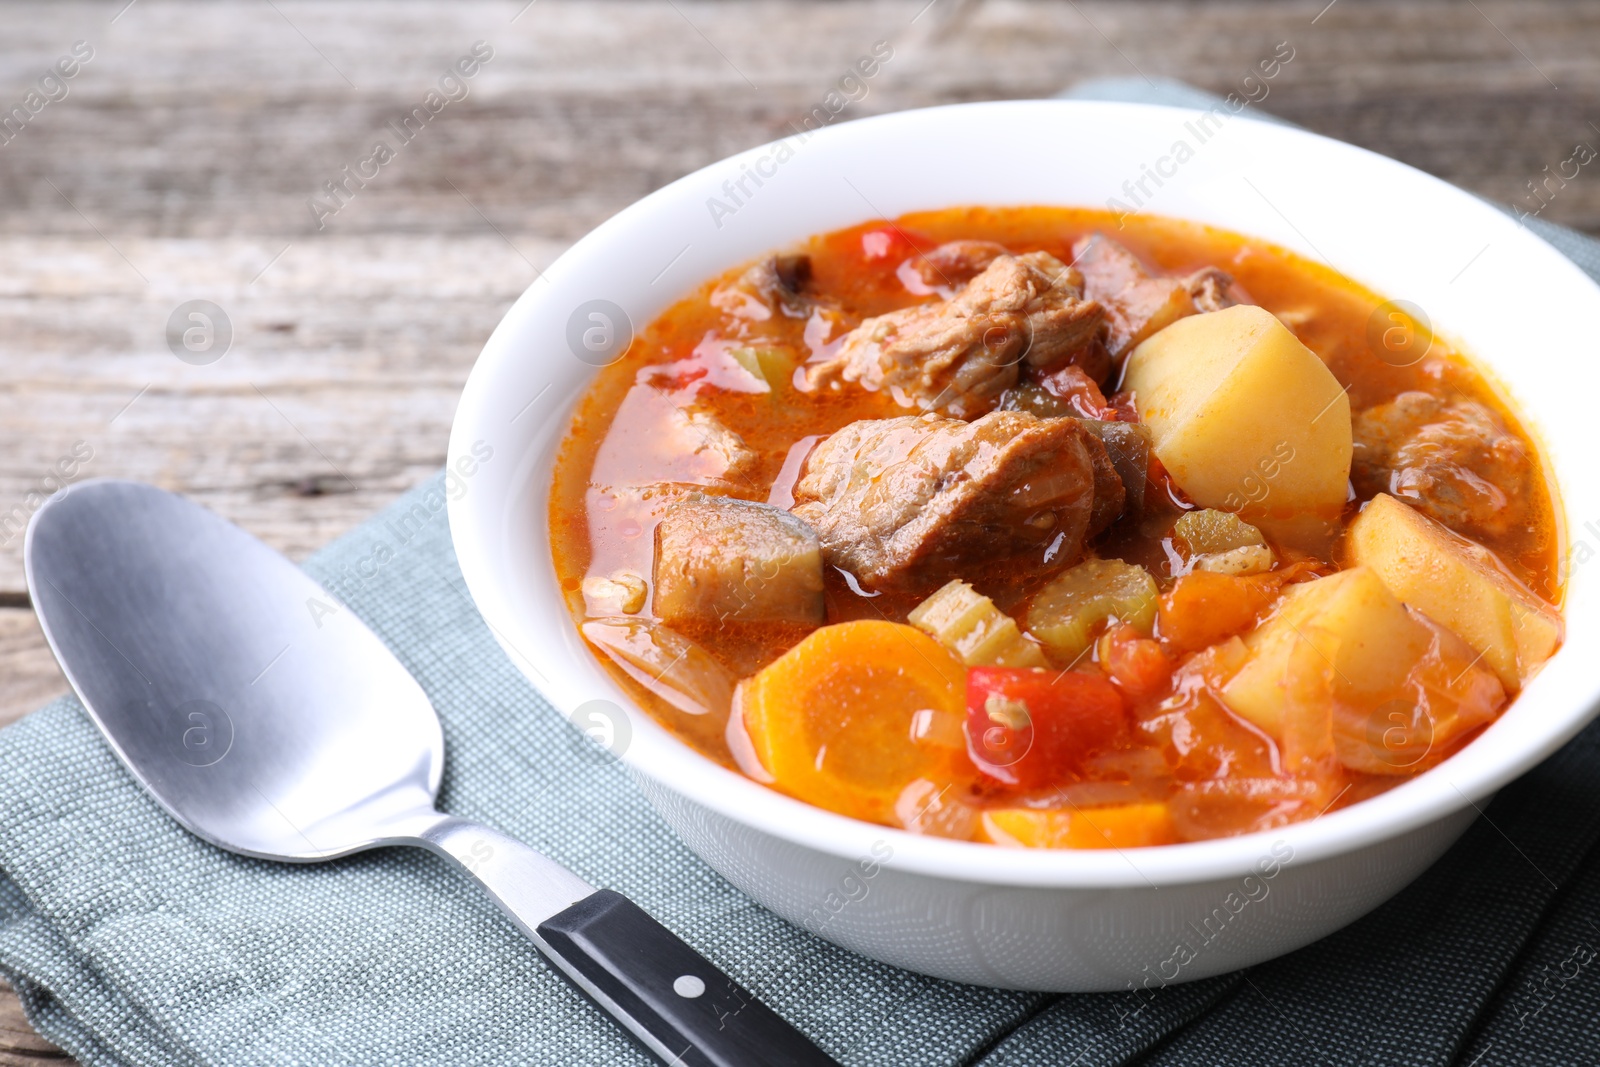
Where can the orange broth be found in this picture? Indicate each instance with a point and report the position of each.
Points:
(599, 527)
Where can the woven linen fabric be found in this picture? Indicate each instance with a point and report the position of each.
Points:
(133, 943)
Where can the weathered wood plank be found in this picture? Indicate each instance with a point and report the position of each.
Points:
(28, 673)
(180, 163)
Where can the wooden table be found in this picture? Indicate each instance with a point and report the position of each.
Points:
(180, 163)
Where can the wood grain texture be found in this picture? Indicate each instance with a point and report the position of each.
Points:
(180, 164)
(19, 1045)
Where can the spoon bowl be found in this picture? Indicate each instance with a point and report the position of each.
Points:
(261, 713)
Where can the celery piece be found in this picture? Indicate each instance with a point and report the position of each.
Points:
(1220, 541)
(1065, 615)
(967, 622)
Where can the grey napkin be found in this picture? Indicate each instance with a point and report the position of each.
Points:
(133, 943)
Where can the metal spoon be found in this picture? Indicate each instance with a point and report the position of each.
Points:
(271, 722)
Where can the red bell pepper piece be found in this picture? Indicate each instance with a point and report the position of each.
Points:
(1029, 727)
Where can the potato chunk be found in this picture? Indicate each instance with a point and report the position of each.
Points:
(1344, 673)
(1244, 417)
(1457, 583)
(1351, 625)
(722, 560)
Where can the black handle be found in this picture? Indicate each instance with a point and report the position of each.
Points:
(671, 1000)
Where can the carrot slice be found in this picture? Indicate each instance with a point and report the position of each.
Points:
(855, 713)
(1112, 826)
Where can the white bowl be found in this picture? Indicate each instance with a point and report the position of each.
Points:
(1049, 920)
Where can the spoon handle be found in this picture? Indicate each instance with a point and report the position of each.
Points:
(670, 998)
(665, 994)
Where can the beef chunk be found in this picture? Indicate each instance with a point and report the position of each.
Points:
(792, 273)
(1127, 445)
(1452, 459)
(1137, 302)
(701, 435)
(1210, 289)
(1110, 495)
(948, 268)
(774, 286)
(956, 357)
(1070, 393)
(907, 504)
(722, 560)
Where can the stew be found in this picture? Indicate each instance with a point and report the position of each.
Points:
(1012, 525)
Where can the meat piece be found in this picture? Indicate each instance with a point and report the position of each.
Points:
(1138, 303)
(946, 269)
(1210, 289)
(956, 357)
(720, 452)
(723, 560)
(774, 286)
(1127, 444)
(656, 436)
(1070, 393)
(1110, 496)
(1064, 333)
(907, 504)
(1453, 459)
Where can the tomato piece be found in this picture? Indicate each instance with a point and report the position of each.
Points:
(1029, 728)
(885, 243)
(1072, 384)
(1205, 607)
(1137, 664)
